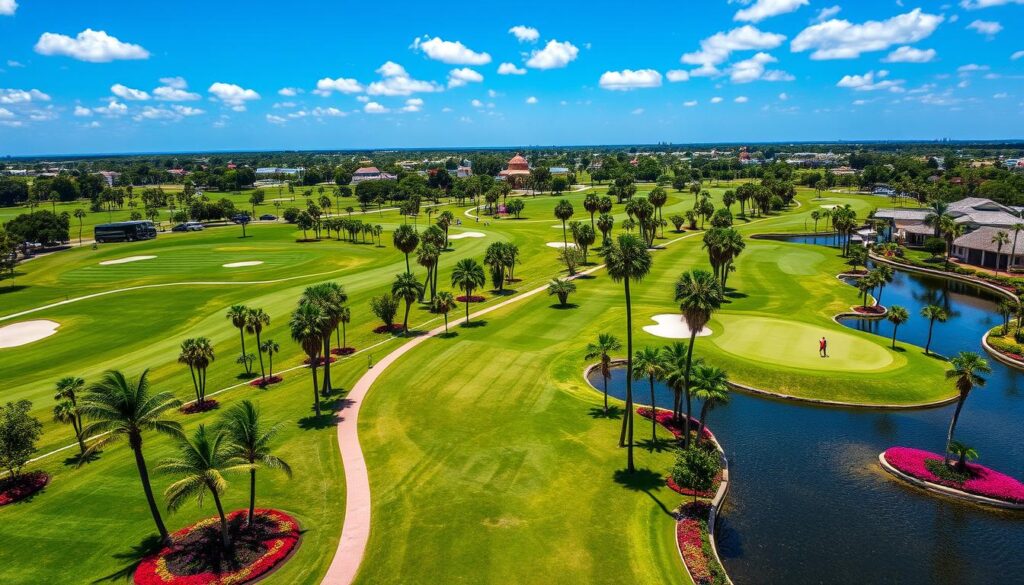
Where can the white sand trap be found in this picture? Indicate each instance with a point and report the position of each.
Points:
(464, 235)
(26, 332)
(560, 245)
(829, 206)
(241, 264)
(672, 327)
(126, 260)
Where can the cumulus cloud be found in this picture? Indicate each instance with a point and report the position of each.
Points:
(113, 108)
(1017, 55)
(174, 89)
(717, 48)
(827, 13)
(21, 96)
(554, 55)
(510, 69)
(986, 27)
(872, 81)
(762, 9)
(82, 112)
(8, 7)
(412, 105)
(396, 81)
(89, 45)
(289, 91)
(690, 103)
(841, 39)
(233, 95)
(783, 97)
(677, 75)
(907, 54)
(375, 108)
(716, 100)
(275, 119)
(979, 4)
(172, 114)
(629, 79)
(450, 52)
(128, 93)
(755, 68)
(531, 100)
(462, 76)
(525, 34)
(741, 99)
(326, 86)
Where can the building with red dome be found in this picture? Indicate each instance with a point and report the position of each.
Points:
(517, 172)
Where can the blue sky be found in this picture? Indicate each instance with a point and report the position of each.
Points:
(81, 76)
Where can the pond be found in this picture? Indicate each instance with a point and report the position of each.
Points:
(809, 502)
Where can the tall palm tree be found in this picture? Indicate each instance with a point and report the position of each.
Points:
(197, 354)
(966, 374)
(306, 325)
(344, 319)
(883, 276)
(647, 363)
(249, 444)
(407, 288)
(897, 315)
(405, 240)
(237, 314)
(1000, 239)
(699, 295)
(628, 260)
(602, 349)
(119, 409)
(468, 276)
(564, 212)
(80, 215)
(201, 465)
(330, 297)
(255, 321)
(933, 313)
(270, 347)
(710, 385)
(66, 411)
(443, 303)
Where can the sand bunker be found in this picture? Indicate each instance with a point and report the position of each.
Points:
(126, 260)
(672, 327)
(560, 245)
(241, 264)
(26, 332)
(466, 235)
(829, 206)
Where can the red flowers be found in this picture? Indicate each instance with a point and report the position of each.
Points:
(984, 481)
(195, 407)
(875, 310)
(264, 382)
(692, 537)
(189, 560)
(394, 328)
(472, 299)
(23, 486)
(688, 492)
(664, 418)
(343, 351)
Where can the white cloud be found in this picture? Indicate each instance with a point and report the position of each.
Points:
(174, 89)
(375, 108)
(783, 96)
(275, 119)
(289, 91)
(82, 112)
(90, 45)
(113, 108)
(128, 93)
(677, 75)
(397, 82)
(554, 55)
(754, 68)
(326, 86)
(412, 105)
(690, 104)
(841, 39)
(510, 69)
(1001, 95)
(531, 100)
(971, 68)
(986, 27)
(716, 100)
(20, 96)
(978, 4)
(907, 54)
(492, 94)
(525, 34)
(872, 81)
(462, 76)
(284, 105)
(629, 79)
(827, 13)
(1017, 55)
(762, 9)
(717, 48)
(450, 52)
(8, 7)
(233, 95)
(328, 112)
(637, 111)
(174, 113)
(187, 110)
(476, 104)
(15, 64)
(5, 113)
(741, 99)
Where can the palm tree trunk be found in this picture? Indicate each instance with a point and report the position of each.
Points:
(703, 417)
(629, 379)
(270, 363)
(225, 535)
(467, 307)
(316, 391)
(405, 322)
(252, 496)
(241, 334)
(78, 434)
(686, 389)
(263, 373)
(195, 383)
(140, 462)
(928, 344)
(654, 418)
(327, 366)
(894, 327)
(446, 323)
(605, 379)
(407, 269)
(952, 426)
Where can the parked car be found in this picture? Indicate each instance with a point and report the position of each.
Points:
(241, 218)
(268, 217)
(193, 226)
(180, 228)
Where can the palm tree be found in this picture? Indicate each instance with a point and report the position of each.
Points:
(197, 354)
(238, 314)
(883, 276)
(933, 313)
(561, 288)
(405, 240)
(119, 408)
(307, 324)
(605, 345)
(966, 375)
(270, 347)
(963, 453)
(1000, 239)
(444, 302)
(330, 297)
(816, 216)
(897, 315)
(591, 203)
(407, 288)
(564, 211)
(343, 321)
(66, 411)
(628, 260)
(201, 464)
(255, 321)
(249, 444)
(699, 295)
(467, 276)
(711, 385)
(79, 215)
(647, 364)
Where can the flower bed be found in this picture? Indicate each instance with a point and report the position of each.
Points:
(688, 492)
(196, 407)
(394, 328)
(196, 557)
(874, 310)
(264, 382)
(23, 486)
(695, 546)
(984, 482)
(664, 418)
(343, 351)
(320, 361)
(472, 299)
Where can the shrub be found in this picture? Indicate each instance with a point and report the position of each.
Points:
(291, 214)
(696, 468)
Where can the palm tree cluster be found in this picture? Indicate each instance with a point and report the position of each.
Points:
(844, 221)
(252, 321)
(724, 245)
(356, 230)
(584, 237)
(501, 258)
(317, 317)
(432, 244)
(699, 294)
(644, 214)
(197, 354)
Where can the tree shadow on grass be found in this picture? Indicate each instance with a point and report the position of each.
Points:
(643, 480)
(585, 277)
(565, 307)
(505, 292)
(78, 459)
(12, 288)
(474, 324)
(660, 445)
(329, 416)
(133, 558)
(448, 335)
(614, 412)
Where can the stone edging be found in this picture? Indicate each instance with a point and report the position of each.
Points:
(945, 490)
(1000, 356)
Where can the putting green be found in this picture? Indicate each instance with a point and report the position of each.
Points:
(795, 345)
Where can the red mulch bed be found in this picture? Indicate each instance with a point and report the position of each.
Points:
(26, 484)
(196, 557)
(264, 382)
(395, 328)
(320, 361)
(875, 310)
(472, 299)
(343, 351)
(195, 408)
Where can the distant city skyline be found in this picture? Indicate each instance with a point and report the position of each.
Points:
(120, 77)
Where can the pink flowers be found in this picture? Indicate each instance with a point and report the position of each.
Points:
(985, 482)
(472, 299)
(264, 382)
(664, 418)
(343, 351)
(395, 328)
(12, 490)
(692, 535)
